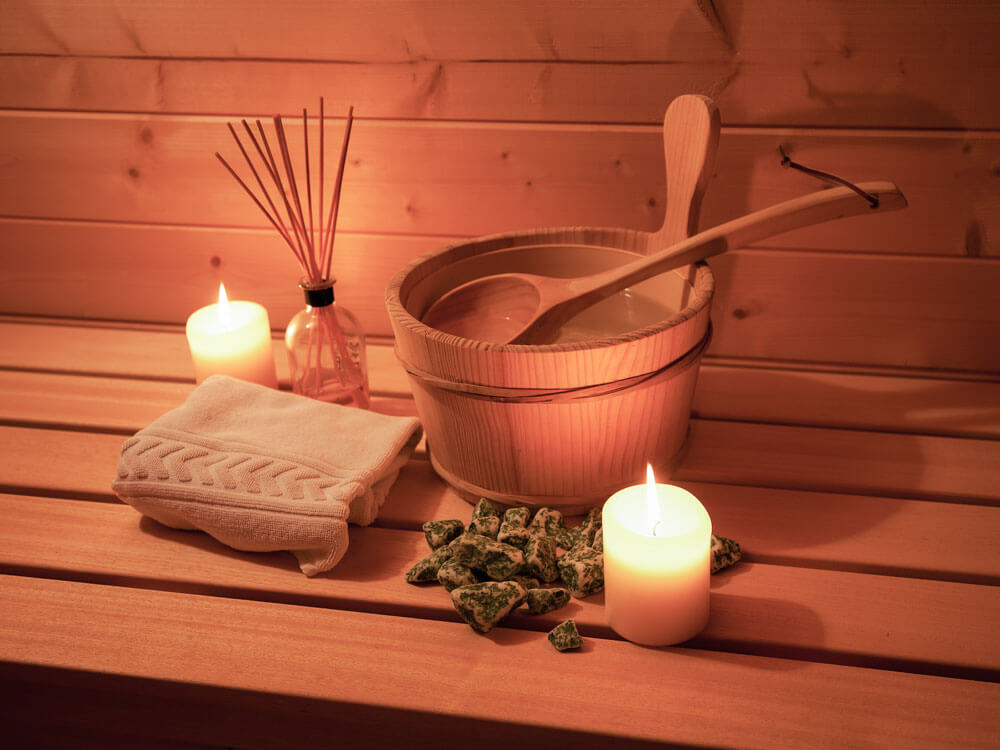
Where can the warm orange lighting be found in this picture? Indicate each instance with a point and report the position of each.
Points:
(224, 314)
(655, 519)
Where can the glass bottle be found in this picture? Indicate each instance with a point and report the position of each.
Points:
(326, 349)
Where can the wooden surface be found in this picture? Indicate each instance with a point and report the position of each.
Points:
(509, 116)
(863, 614)
(845, 424)
(903, 63)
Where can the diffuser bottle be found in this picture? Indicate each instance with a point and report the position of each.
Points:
(326, 350)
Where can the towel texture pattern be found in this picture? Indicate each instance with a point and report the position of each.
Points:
(262, 470)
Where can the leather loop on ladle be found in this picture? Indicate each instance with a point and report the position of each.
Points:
(827, 177)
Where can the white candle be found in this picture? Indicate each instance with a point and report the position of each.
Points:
(232, 338)
(657, 546)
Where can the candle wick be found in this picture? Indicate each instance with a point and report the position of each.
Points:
(656, 528)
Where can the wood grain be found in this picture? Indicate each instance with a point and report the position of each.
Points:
(950, 404)
(818, 64)
(887, 401)
(833, 92)
(933, 313)
(809, 525)
(837, 617)
(453, 178)
(846, 421)
(803, 458)
(914, 466)
(117, 401)
(854, 305)
(145, 352)
(859, 533)
(853, 461)
(711, 698)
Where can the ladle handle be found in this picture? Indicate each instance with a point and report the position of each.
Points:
(823, 205)
(690, 140)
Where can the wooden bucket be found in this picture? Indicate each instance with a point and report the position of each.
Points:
(562, 425)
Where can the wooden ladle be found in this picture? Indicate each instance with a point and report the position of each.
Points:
(521, 308)
(690, 139)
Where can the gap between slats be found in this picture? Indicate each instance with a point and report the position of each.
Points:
(444, 178)
(825, 529)
(352, 659)
(57, 372)
(823, 616)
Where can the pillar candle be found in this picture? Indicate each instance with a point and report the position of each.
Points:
(232, 338)
(657, 549)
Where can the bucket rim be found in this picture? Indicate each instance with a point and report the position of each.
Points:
(629, 240)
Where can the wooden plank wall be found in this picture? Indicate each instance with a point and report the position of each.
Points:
(478, 117)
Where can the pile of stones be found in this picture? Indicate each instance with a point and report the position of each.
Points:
(501, 562)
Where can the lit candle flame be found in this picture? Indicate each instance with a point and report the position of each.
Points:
(224, 313)
(652, 506)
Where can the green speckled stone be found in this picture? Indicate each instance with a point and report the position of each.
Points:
(486, 526)
(540, 558)
(485, 519)
(547, 522)
(599, 541)
(453, 574)
(498, 560)
(427, 569)
(564, 636)
(516, 536)
(568, 538)
(483, 605)
(582, 570)
(725, 552)
(439, 533)
(517, 516)
(485, 507)
(540, 601)
(591, 528)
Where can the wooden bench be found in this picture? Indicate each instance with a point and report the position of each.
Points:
(846, 423)
(864, 610)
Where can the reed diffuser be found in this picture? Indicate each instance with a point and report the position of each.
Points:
(325, 342)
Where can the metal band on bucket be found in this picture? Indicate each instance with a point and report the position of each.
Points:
(547, 395)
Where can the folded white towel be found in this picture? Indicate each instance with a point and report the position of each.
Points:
(263, 470)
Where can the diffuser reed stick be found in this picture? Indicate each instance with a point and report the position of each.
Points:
(301, 225)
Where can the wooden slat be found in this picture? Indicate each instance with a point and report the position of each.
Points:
(726, 389)
(934, 313)
(754, 392)
(830, 616)
(762, 93)
(148, 352)
(778, 456)
(864, 533)
(876, 310)
(800, 527)
(955, 408)
(119, 405)
(347, 659)
(817, 64)
(179, 270)
(449, 178)
(852, 461)
(360, 31)
(858, 533)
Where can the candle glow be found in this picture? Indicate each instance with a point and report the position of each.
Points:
(232, 338)
(652, 507)
(224, 314)
(657, 548)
